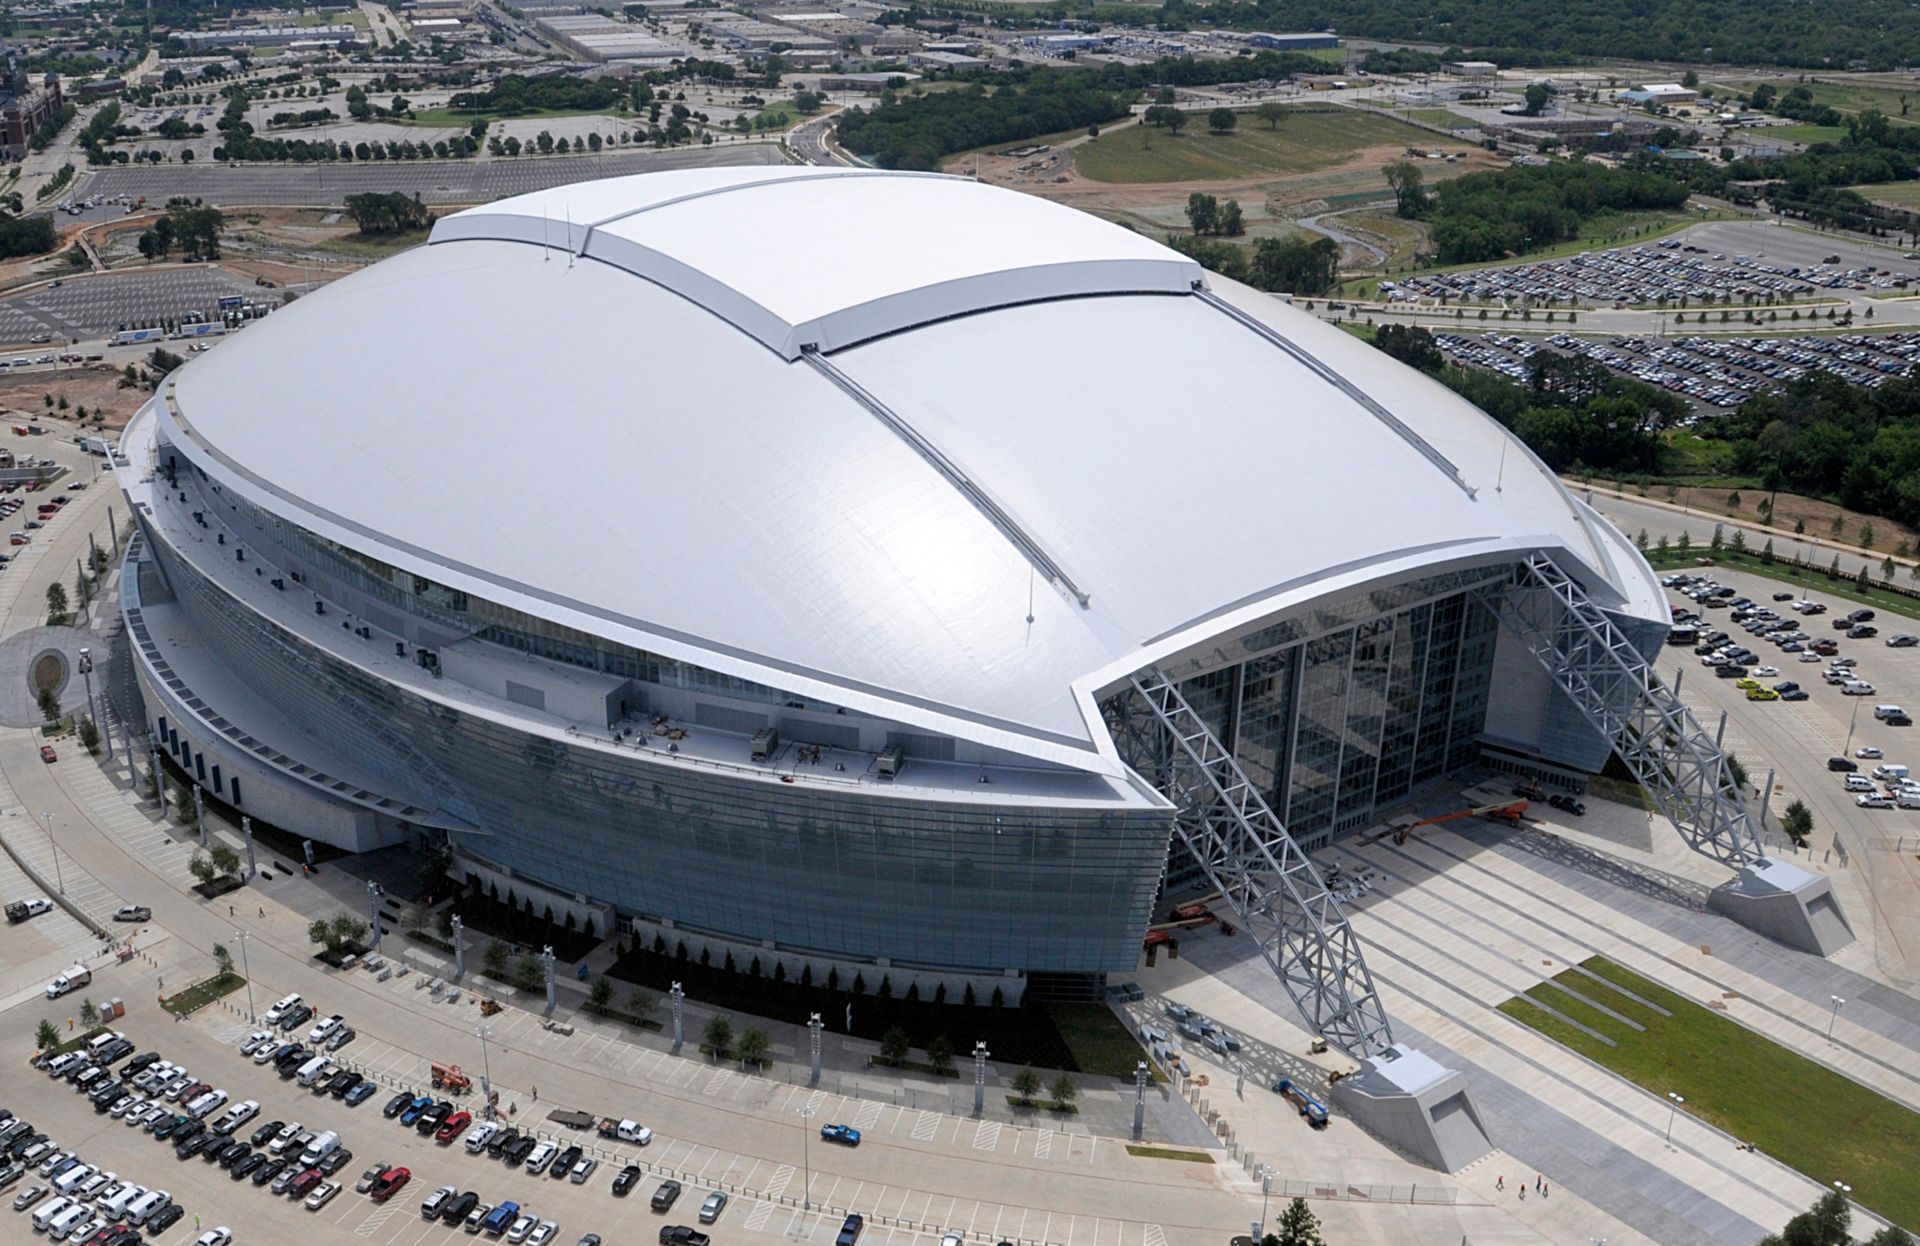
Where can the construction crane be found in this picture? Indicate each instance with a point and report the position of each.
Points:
(1512, 812)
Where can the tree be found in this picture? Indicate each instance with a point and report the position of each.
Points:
(89, 1015)
(527, 973)
(90, 734)
(1175, 120)
(225, 859)
(1733, 500)
(1825, 1224)
(1273, 112)
(600, 994)
(1203, 213)
(1222, 120)
(45, 1035)
(1797, 821)
(1408, 184)
(1063, 1090)
(222, 959)
(1537, 95)
(895, 1045)
(717, 1037)
(754, 1047)
(1298, 1226)
(56, 603)
(1026, 1084)
(940, 1052)
(1737, 769)
(1766, 552)
(1866, 536)
(49, 702)
(200, 865)
(1892, 1235)
(494, 957)
(639, 1001)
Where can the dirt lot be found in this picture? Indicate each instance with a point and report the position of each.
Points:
(1271, 203)
(95, 387)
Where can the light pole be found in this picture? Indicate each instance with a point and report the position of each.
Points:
(373, 910)
(86, 673)
(1846, 750)
(1673, 1112)
(55, 850)
(1846, 1191)
(246, 833)
(200, 814)
(1140, 1109)
(459, 948)
(1266, 1187)
(241, 937)
(980, 1054)
(1833, 1015)
(486, 1070)
(679, 1033)
(814, 1026)
(806, 1155)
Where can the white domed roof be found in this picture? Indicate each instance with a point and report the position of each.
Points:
(942, 452)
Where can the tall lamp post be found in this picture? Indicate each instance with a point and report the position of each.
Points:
(806, 1154)
(1833, 1015)
(86, 673)
(814, 1026)
(486, 1070)
(980, 1054)
(242, 938)
(1846, 750)
(55, 850)
(1673, 1112)
(373, 910)
(679, 1031)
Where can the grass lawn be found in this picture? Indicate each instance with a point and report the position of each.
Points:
(1439, 116)
(447, 118)
(1899, 194)
(377, 248)
(202, 993)
(1800, 1112)
(1303, 142)
(1097, 1039)
(1803, 133)
(1844, 587)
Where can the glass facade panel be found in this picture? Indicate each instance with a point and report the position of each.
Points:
(852, 873)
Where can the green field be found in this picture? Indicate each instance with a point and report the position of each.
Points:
(1303, 142)
(1849, 96)
(1898, 194)
(447, 118)
(1801, 133)
(1800, 1112)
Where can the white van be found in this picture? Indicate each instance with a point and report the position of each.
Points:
(146, 1206)
(101, 1042)
(116, 1207)
(1858, 783)
(1891, 770)
(1884, 712)
(314, 1069)
(206, 1103)
(72, 1177)
(321, 1147)
(1906, 798)
(44, 1217)
(76, 1214)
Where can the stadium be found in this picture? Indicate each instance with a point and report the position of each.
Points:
(789, 558)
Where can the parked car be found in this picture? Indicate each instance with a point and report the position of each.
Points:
(664, 1197)
(624, 1182)
(846, 1135)
(388, 1184)
(715, 1204)
(850, 1229)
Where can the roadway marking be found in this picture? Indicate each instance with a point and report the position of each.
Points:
(1043, 1144)
(869, 1113)
(1153, 1235)
(762, 1211)
(373, 1223)
(987, 1136)
(926, 1126)
(716, 1083)
(781, 1177)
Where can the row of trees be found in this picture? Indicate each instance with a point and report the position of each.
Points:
(515, 94)
(1485, 216)
(191, 226)
(915, 132)
(1290, 265)
(1571, 411)
(1878, 33)
(390, 213)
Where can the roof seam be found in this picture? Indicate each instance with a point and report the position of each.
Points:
(756, 184)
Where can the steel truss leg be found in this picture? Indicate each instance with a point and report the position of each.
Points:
(1271, 886)
(1670, 753)
(1277, 893)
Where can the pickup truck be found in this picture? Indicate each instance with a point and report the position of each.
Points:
(133, 913)
(21, 910)
(625, 1131)
(682, 1235)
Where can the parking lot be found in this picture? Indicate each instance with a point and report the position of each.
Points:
(1713, 372)
(1668, 272)
(92, 307)
(435, 181)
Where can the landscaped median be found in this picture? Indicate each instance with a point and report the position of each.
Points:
(1795, 1109)
(200, 994)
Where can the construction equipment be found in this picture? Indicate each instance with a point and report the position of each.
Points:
(1512, 812)
(488, 1007)
(448, 1077)
(1311, 1108)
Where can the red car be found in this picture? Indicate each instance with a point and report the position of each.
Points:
(47, 753)
(390, 1183)
(304, 1182)
(455, 1123)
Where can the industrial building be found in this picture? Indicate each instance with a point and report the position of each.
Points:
(748, 617)
(270, 36)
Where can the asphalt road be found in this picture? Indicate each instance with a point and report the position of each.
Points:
(435, 181)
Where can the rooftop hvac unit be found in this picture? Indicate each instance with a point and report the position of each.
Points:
(766, 742)
(890, 761)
